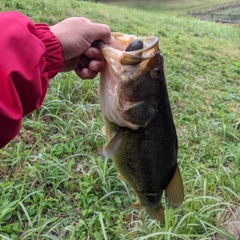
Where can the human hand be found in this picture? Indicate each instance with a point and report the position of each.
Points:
(78, 36)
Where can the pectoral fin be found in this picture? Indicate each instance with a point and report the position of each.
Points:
(112, 145)
(140, 113)
(174, 192)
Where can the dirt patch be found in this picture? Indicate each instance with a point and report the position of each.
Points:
(232, 225)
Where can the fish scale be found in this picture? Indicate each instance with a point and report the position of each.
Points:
(141, 135)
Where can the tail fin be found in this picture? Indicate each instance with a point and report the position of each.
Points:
(156, 213)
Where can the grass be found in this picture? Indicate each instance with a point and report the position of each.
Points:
(168, 7)
(53, 182)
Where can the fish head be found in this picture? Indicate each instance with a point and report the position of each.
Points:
(130, 85)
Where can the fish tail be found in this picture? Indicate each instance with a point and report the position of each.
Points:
(156, 213)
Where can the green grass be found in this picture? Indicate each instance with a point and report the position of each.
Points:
(169, 7)
(53, 182)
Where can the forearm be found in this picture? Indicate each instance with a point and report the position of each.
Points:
(29, 56)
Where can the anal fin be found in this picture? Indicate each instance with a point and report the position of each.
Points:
(156, 214)
(104, 131)
(137, 204)
(119, 176)
(174, 192)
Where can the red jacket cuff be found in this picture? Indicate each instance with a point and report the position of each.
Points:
(53, 54)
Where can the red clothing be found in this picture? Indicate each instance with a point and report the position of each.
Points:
(29, 56)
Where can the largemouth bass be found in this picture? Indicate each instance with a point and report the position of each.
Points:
(139, 127)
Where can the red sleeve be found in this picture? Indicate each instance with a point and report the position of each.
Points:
(29, 56)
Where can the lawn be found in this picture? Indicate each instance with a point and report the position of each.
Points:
(168, 7)
(54, 183)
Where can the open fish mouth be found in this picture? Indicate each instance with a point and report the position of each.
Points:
(128, 59)
(120, 53)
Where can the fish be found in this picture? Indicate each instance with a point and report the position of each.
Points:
(138, 123)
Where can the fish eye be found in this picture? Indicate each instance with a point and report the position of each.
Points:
(155, 72)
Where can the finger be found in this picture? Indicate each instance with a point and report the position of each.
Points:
(84, 61)
(94, 53)
(85, 73)
(96, 66)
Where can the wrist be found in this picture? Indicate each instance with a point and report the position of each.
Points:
(53, 54)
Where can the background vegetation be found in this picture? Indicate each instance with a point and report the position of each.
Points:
(53, 182)
(168, 7)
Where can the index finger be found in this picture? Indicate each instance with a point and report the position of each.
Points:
(102, 32)
(93, 53)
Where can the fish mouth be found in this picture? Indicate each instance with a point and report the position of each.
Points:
(115, 53)
(124, 66)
